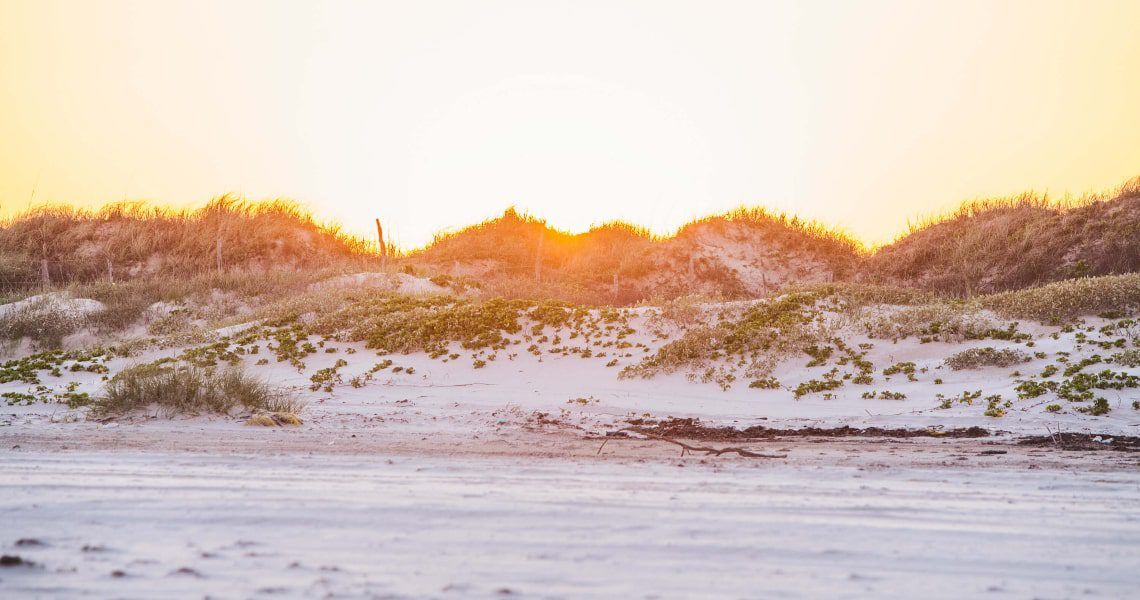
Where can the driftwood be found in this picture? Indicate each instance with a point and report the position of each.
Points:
(709, 451)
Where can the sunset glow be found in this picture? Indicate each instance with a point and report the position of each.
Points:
(433, 115)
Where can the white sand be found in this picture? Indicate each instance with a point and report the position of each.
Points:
(445, 484)
(373, 526)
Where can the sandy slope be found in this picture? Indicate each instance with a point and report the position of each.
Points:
(448, 397)
(461, 482)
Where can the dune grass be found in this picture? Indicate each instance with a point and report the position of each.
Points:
(1064, 300)
(1002, 244)
(189, 390)
(134, 240)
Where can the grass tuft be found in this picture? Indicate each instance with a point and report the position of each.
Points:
(189, 390)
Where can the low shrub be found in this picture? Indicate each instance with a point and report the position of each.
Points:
(189, 390)
(1128, 358)
(939, 321)
(1065, 300)
(757, 338)
(977, 358)
(46, 320)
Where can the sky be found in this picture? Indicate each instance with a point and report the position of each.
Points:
(434, 114)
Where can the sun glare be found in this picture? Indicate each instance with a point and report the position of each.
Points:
(438, 114)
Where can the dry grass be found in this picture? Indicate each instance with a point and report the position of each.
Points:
(982, 247)
(133, 240)
(189, 390)
(1064, 300)
(1010, 243)
(45, 321)
(789, 232)
(616, 263)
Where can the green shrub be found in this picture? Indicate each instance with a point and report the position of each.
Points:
(976, 358)
(906, 368)
(768, 383)
(995, 407)
(1099, 407)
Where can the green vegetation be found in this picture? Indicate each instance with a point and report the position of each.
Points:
(884, 395)
(906, 368)
(768, 383)
(976, 358)
(1099, 407)
(28, 368)
(965, 397)
(758, 337)
(995, 407)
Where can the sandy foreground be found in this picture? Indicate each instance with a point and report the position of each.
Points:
(437, 479)
(110, 512)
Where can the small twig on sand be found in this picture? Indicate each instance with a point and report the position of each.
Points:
(709, 451)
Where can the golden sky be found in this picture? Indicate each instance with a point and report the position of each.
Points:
(433, 114)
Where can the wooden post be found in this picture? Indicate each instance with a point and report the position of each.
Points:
(383, 248)
(110, 270)
(218, 252)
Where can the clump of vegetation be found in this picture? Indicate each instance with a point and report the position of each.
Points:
(1079, 388)
(759, 337)
(1064, 300)
(275, 419)
(906, 368)
(828, 383)
(396, 323)
(1032, 389)
(189, 390)
(1128, 358)
(1010, 243)
(28, 368)
(70, 395)
(768, 383)
(965, 397)
(884, 395)
(932, 322)
(977, 358)
(46, 320)
(1099, 407)
(1076, 367)
(818, 354)
(995, 407)
(328, 377)
(132, 240)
